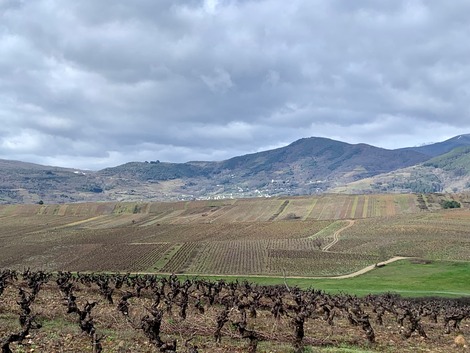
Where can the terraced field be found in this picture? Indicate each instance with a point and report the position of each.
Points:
(274, 236)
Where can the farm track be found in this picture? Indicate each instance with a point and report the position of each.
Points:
(337, 233)
(371, 267)
(349, 275)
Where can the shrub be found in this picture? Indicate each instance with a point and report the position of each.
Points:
(450, 204)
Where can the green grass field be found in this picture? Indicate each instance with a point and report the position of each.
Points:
(444, 279)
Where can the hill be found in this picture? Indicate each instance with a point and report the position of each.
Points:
(29, 183)
(456, 161)
(449, 172)
(439, 148)
(308, 166)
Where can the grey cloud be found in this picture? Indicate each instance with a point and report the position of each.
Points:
(113, 81)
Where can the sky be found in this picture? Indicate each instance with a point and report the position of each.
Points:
(92, 84)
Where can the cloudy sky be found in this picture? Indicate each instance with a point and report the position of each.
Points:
(91, 84)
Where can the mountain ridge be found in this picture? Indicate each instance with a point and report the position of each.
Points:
(310, 165)
(449, 172)
(439, 148)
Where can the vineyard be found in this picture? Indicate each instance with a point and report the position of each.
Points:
(435, 236)
(323, 207)
(43, 307)
(65, 312)
(325, 235)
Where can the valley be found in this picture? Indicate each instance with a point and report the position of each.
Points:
(316, 236)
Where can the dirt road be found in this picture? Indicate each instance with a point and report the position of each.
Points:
(336, 235)
(370, 268)
(349, 275)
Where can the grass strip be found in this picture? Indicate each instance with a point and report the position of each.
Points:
(407, 278)
(329, 230)
(166, 257)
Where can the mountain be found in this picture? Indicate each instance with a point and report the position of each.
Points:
(449, 172)
(439, 148)
(22, 182)
(307, 166)
(456, 161)
(322, 158)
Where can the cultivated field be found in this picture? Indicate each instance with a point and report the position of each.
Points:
(65, 312)
(324, 235)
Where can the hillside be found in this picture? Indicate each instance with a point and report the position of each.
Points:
(29, 183)
(308, 166)
(449, 172)
(321, 158)
(456, 161)
(439, 148)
